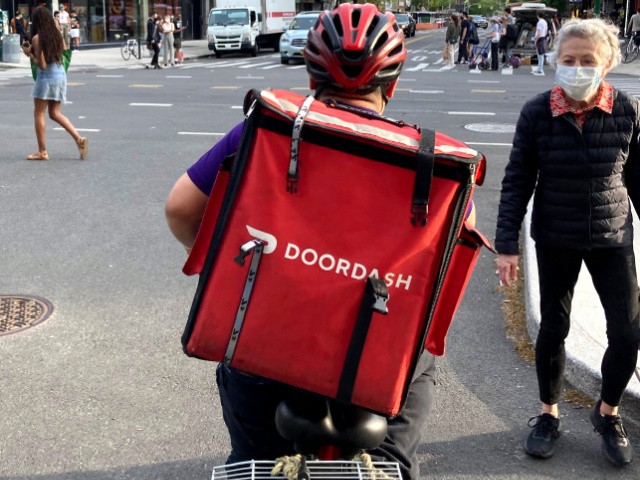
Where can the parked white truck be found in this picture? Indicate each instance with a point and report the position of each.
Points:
(248, 25)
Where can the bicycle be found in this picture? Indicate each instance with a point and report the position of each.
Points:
(329, 443)
(129, 47)
(631, 51)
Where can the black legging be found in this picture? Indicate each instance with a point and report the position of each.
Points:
(494, 56)
(613, 273)
(462, 51)
(156, 52)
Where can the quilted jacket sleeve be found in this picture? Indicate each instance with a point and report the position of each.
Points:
(518, 184)
(632, 166)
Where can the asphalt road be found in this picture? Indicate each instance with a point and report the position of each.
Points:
(102, 390)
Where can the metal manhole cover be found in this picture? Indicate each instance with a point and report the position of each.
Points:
(18, 312)
(491, 127)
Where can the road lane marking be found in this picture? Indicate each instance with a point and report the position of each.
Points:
(275, 65)
(109, 76)
(75, 84)
(236, 107)
(490, 114)
(94, 130)
(483, 81)
(420, 66)
(144, 85)
(255, 65)
(214, 134)
(228, 64)
(477, 90)
(178, 76)
(426, 91)
(297, 67)
(249, 77)
(151, 104)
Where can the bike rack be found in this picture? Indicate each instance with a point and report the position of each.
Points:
(318, 469)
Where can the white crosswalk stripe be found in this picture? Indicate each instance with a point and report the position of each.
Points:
(627, 85)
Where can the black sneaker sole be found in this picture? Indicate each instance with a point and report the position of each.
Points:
(539, 454)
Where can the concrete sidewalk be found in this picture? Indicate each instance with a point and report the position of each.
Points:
(89, 58)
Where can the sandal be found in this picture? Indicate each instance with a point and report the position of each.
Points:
(39, 156)
(83, 146)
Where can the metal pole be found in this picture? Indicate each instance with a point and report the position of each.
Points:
(139, 33)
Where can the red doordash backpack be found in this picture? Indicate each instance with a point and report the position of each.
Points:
(333, 249)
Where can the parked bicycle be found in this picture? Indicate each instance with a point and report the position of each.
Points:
(630, 52)
(129, 47)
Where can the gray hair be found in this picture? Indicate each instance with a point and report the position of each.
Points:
(595, 30)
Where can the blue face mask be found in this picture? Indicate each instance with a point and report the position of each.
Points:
(578, 83)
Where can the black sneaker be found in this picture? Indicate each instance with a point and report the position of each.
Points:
(541, 440)
(615, 444)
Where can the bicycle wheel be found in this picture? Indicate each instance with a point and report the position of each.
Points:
(124, 50)
(133, 48)
(630, 53)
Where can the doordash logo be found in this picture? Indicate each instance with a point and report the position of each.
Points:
(328, 262)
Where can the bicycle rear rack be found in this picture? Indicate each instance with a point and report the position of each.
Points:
(318, 469)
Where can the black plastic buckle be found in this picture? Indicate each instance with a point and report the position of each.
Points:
(245, 250)
(419, 215)
(292, 183)
(380, 295)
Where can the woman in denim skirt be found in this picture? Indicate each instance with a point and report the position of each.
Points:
(50, 89)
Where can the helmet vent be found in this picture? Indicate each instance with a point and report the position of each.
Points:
(381, 41)
(372, 26)
(396, 51)
(312, 48)
(316, 67)
(351, 71)
(338, 26)
(355, 18)
(327, 39)
(352, 55)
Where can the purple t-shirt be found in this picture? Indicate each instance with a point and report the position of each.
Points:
(203, 173)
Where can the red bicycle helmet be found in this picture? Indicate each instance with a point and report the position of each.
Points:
(354, 47)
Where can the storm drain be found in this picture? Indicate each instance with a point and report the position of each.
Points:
(18, 312)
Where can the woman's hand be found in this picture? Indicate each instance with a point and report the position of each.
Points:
(507, 268)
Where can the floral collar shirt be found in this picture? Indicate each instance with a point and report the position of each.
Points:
(560, 105)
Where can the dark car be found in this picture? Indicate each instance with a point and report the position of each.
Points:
(407, 24)
(480, 21)
(526, 16)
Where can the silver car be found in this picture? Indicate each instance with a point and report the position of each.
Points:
(294, 39)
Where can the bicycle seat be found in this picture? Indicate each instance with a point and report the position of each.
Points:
(311, 421)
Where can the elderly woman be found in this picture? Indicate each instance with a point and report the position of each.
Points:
(577, 147)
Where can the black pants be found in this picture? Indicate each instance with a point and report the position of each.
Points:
(249, 404)
(462, 52)
(156, 52)
(613, 272)
(494, 56)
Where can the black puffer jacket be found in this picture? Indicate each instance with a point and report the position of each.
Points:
(582, 180)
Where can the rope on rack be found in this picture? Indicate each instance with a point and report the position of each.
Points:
(288, 466)
(367, 462)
